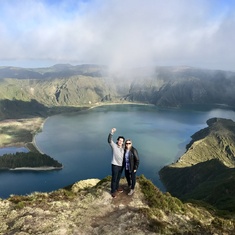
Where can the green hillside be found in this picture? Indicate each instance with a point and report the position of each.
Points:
(206, 171)
(67, 85)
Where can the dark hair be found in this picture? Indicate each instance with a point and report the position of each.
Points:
(121, 137)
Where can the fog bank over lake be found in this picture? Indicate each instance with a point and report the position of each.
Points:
(79, 142)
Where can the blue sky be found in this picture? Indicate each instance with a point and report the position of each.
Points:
(118, 33)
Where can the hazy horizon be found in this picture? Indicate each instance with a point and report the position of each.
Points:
(149, 69)
(195, 33)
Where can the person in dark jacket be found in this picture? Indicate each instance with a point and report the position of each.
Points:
(131, 164)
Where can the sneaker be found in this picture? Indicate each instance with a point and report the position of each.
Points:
(113, 195)
(131, 192)
(120, 190)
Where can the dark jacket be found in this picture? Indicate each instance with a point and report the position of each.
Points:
(133, 159)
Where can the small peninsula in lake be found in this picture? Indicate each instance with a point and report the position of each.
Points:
(28, 161)
(20, 133)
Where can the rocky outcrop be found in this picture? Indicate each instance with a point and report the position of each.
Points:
(87, 208)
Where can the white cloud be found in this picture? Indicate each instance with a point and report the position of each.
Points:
(119, 33)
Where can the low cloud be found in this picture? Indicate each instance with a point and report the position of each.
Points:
(119, 33)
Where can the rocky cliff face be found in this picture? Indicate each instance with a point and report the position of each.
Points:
(177, 86)
(67, 85)
(75, 90)
(207, 169)
(86, 207)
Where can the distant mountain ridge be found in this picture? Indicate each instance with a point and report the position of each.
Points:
(177, 86)
(55, 71)
(81, 85)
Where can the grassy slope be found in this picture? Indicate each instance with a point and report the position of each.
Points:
(206, 171)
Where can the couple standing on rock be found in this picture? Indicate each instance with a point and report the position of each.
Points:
(124, 156)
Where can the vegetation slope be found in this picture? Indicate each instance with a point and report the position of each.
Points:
(87, 207)
(206, 171)
(84, 85)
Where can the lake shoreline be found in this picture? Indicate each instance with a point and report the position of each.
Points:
(34, 141)
(36, 125)
(19, 132)
(46, 168)
(34, 129)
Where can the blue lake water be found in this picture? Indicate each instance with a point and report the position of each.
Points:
(12, 150)
(79, 142)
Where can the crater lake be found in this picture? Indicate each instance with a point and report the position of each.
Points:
(79, 142)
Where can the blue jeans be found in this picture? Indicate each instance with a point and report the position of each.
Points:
(116, 176)
(130, 178)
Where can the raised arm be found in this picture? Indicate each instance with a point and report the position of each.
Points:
(110, 136)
